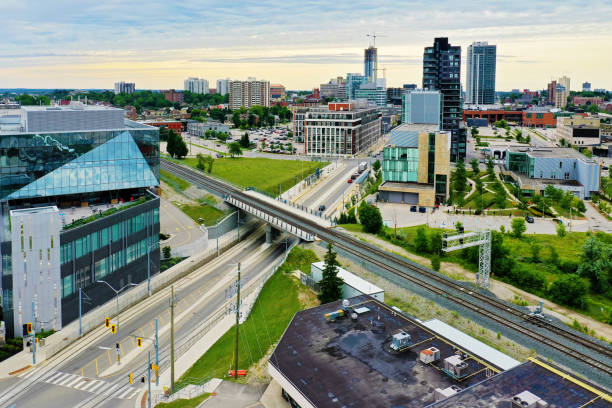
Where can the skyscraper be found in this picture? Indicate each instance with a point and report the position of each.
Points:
(442, 72)
(565, 81)
(481, 74)
(370, 61)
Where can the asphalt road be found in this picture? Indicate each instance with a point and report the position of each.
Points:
(329, 195)
(66, 386)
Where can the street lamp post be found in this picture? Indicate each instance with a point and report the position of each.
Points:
(117, 297)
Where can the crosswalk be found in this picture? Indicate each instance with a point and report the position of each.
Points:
(81, 383)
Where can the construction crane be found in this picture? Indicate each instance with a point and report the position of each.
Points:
(482, 239)
(373, 36)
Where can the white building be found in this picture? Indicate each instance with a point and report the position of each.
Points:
(124, 87)
(75, 116)
(353, 284)
(249, 93)
(223, 86)
(196, 85)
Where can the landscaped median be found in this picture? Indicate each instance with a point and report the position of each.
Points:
(281, 297)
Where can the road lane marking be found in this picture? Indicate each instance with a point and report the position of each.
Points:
(60, 378)
(72, 383)
(94, 388)
(70, 379)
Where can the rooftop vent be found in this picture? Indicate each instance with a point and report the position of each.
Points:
(441, 394)
(429, 355)
(400, 341)
(528, 400)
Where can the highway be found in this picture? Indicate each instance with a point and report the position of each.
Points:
(78, 379)
(560, 340)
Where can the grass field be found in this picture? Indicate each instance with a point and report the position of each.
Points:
(184, 403)
(274, 309)
(202, 214)
(268, 175)
(176, 182)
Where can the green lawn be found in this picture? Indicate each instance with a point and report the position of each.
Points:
(202, 214)
(267, 175)
(184, 403)
(274, 309)
(175, 182)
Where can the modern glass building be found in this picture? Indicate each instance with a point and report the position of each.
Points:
(354, 82)
(421, 107)
(481, 60)
(442, 72)
(95, 189)
(374, 94)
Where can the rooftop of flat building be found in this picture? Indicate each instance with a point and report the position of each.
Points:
(542, 380)
(349, 362)
(74, 106)
(553, 152)
(407, 134)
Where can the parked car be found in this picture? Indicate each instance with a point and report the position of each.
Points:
(422, 210)
(529, 219)
(413, 208)
(350, 181)
(322, 207)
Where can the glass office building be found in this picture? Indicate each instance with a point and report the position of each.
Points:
(481, 59)
(92, 188)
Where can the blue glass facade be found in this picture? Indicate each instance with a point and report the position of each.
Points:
(53, 164)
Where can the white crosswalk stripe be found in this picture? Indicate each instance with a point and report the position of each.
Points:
(80, 383)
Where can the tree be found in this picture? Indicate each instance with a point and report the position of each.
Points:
(569, 290)
(500, 195)
(561, 230)
(535, 252)
(553, 257)
(234, 149)
(236, 119)
(181, 149)
(459, 182)
(474, 165)
(435, 263)
(244, 140)
(420, 241)
(596, 264)
(436, 243)
(518, 227)
(376, 165)
(491, 168)
(330, 283)
(474, 131)
(167, 252)
(370, 218)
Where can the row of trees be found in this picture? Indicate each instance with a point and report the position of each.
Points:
(196, 99)
(258, 116)
(26, 99)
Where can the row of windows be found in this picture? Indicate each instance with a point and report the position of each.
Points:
(108, 265)
(101, 238)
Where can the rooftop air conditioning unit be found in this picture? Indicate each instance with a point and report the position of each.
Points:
(528, 400)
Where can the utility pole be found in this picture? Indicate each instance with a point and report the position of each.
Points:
(149, 379)
(237, 323)
(217, 235)
(157, 351)
(238, 225)
(80, 315)
(34, 335)
(172, 340)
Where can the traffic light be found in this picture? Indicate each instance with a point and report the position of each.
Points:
(113, 328)
(107, 322)
(139, 341)
(29, 328)
(131, 378)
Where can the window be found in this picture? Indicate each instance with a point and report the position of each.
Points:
(566, 176)
(553, 175)
(560, 164)
(67, 286)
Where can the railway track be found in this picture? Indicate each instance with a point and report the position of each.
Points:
(494, 309)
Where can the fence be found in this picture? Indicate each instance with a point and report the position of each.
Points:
(308, 281)
(95, 318)
(226, 224)
(253, 288)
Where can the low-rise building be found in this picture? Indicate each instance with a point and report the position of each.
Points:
(340, 129)
(373, 93)
(353, 284)
(493, 115)
(578, 130)
(539, 117)
(587, 100)
(175, 125)
(174, 96)
(563, 167)
(277, 92)
(360, 352)
(299, 115)
(416, 166)
(199, 128)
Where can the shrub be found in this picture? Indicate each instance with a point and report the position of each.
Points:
(435, 263)
(569, 290)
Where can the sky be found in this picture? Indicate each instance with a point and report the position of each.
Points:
(298, 43)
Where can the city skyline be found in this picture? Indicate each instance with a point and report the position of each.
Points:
(157, 45)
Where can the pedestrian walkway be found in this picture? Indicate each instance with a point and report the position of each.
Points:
(80, 383)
